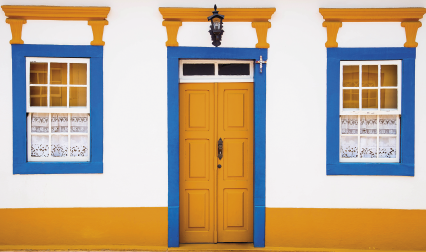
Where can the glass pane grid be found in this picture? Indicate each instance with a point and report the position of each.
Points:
(369, 138)
(59, 135)
(377, 91)
(66, 85)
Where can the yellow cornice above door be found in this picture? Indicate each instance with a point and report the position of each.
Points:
(409, 18)
(18, 15)
(173, 18)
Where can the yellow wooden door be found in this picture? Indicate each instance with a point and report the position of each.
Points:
(216, 204)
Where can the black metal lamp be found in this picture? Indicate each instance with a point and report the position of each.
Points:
(216, 30)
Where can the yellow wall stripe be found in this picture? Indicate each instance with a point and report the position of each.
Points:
(144, 226)
(346, 228)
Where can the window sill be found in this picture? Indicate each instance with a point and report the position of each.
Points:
(380, 169)
(58, 168)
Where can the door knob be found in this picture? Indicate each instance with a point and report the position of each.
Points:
(219, 166)
(220, 148)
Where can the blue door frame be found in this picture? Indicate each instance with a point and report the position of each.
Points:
(174, 54)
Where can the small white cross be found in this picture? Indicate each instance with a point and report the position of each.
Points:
(261, 62)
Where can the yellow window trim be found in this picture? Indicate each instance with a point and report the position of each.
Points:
(409, 18)
(18, 15)
(173, 18)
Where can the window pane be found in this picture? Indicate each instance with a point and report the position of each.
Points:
(234, 69)
(389, 75)
(368, 147)
(79, 146)
(39, 146)
(58, 96)
(78, 96)
(58, 73)
(389, 98)
(349, 147)
(349, 124)
(198, 69)
(79, 123)
(351, 98)
(351, 76)
(38, 73)
(370, 76)
(40, 123)
(78, 73)
(368, 124)
(59, 122)
(387, 147)
(369, 98)
(387, 124)
(38, 96)
(59, 146)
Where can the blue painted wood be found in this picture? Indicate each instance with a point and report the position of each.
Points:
(406, 165)
(173, 56)
(259, 227)
(20, 164)
(173, 212)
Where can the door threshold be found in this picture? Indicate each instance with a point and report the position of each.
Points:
(216, 246)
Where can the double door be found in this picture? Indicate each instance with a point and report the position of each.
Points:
(216, 194)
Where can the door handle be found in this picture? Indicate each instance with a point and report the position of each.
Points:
(220, 148)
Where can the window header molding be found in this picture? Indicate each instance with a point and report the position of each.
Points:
(409, 18)
(18, 15)
(173, 18)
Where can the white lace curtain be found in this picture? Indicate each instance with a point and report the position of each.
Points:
(61, 127)
(364, 143)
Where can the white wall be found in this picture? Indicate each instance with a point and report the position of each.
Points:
(135, 112)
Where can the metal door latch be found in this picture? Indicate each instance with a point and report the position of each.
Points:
(219, 149)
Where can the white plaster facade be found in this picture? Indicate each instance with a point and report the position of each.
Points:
(135, 106)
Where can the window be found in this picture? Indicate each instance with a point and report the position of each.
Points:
(57, 109)
(370, 111)
(214, 70)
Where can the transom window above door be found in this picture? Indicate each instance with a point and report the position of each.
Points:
(215, 71)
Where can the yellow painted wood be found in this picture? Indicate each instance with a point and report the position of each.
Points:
(216, 205)
(235, 178)
(231, 14)
(381, 229)
(372, 14)
(409, 18)
(19, 14)
(173, 18)
(197, 174)
(88, 228)
(31, 12)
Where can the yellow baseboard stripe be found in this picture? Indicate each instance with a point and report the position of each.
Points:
(382, 229)
(73, 228)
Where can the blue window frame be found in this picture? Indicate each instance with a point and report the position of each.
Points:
(20, 163)
(173, 56)
(406, 165)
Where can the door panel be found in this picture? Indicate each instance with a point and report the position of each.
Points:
(216, 205)
(197, 174)
(235, 178)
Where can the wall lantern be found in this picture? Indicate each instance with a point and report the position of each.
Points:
(216, 30)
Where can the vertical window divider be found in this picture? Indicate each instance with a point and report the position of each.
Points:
(359, 136)
(68, 84)
(377, 136)
(360, 88)
(216, 68)
(379, 86)
(29, 134)
(50, 134)
(69, 135)
(48, 86)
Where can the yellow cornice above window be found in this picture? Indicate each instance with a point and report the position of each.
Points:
(231, 14)
(18, 15)
(409, 18)
(173, 18)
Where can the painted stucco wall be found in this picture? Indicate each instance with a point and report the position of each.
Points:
(135, 112)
